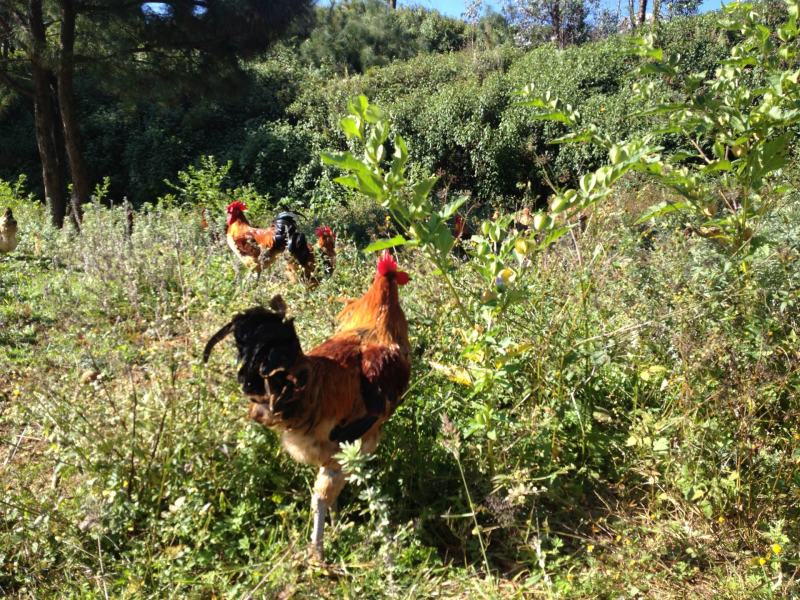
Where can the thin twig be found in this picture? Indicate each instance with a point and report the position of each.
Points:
(20, 437)
(102, 569)
(133, 435)
(276, 563)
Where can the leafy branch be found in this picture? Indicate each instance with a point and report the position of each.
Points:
(735, 125)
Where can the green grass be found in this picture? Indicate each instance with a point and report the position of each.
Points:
(643, 443)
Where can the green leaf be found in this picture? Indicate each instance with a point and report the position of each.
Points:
(343, 160)
(369, 184)
(657, 69)
(554, 235)
(766, 158)
(443, 239)
(558, 116)
(656, 54)
(450, 209)
(423, 188)
(588, 182)
(579, 137)
(718, 165)
(397, 240)
(373, 114)
(350, 128)
(350, 181)
(662, 209)
(358, 106)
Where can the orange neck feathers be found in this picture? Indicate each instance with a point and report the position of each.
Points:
(379, 308)
(235, 212)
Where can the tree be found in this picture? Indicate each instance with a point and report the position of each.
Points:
(25, 68)
(683, 8)
(46, 42)
(354, 35)
(561, 21)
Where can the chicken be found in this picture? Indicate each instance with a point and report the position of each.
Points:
(326, 247)
(8, 232)
(340, 391)
(258, 248)
(326, 243)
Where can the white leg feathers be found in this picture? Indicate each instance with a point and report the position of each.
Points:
(330, 481)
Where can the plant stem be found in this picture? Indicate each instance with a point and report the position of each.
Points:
(474, 517)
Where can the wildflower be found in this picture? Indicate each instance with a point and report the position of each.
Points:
(776, 548)
(762, 561)
(721, 519)
(590, 548)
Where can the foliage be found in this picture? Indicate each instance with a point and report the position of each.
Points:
(203, 187)
(682, 8)
(599, 407)
(14, 194)
(457, 111)
(356, 35)
(734, 131)
(561, 21)
(631, 424)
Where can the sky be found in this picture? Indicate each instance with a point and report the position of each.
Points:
(455, 8)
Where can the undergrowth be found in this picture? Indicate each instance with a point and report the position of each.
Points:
(643, 439)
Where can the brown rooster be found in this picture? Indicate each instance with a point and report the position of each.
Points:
(8, 232)
(341, 391)
(326, 242)
(258, 248)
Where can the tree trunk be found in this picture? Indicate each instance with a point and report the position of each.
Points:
(558, 26)
(642, 12)
(393, 4)
(66, 102)
(46, 119)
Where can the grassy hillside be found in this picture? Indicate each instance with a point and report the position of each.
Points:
(642, 438)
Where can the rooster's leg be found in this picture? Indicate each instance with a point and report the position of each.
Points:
(329, 483)
(319, 509)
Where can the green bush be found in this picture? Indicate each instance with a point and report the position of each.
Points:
(457, 110)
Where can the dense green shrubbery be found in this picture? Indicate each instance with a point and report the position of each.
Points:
(456, 110)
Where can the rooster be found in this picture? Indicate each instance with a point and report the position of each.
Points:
(8, 232)
(326, 247)
(340, 391)
(258, 248)
(326, 243)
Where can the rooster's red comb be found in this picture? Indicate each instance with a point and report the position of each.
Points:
(237, 205)
(324, 231)
(387, 265)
